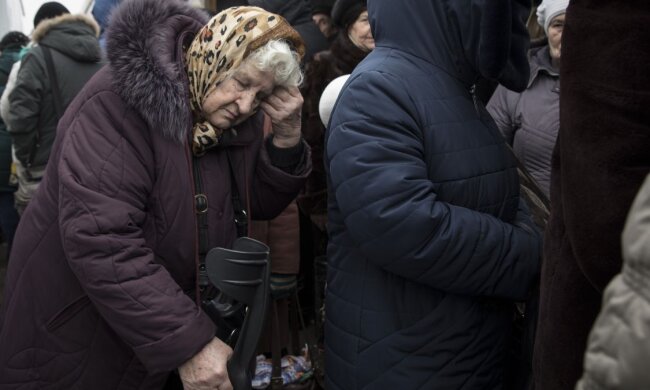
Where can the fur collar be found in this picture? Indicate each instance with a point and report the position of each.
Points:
(45, 26)
(145, 57)
(346, 54)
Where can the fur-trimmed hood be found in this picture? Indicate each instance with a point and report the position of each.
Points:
(145, 55)
(46, 26)
(72, 35)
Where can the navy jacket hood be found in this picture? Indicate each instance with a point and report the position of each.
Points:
(465, 38)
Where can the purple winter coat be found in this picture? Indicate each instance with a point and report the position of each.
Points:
(95, 288)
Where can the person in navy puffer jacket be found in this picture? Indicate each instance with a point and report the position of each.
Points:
(430, 242)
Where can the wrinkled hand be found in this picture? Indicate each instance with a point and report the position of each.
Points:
(207, 369)
(284, 106)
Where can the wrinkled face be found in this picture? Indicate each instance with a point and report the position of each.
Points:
(324, 23)
(555, 36)
(360, 34)
(238, 97)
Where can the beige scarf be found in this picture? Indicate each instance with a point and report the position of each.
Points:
(216, 52)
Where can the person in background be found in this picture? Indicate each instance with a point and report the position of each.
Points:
(10, 47)
(530, 120)
(321, 13)
(619, 348)
(298, 14)
(71, 41)
(103, 291)
(352, 44)
(11, 82)
(430, 243)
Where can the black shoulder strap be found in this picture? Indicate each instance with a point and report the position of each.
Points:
(241, 216)
(201, 209)
(51, 74)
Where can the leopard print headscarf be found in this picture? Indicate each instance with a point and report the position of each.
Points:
(216, 52)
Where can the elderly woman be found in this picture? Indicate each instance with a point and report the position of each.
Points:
(530, 120)
(103, 290)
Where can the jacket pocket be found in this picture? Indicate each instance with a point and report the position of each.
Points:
(68, 312)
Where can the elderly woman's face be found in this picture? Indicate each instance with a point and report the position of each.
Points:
(555, 37)
(360, 33)
(238, 97)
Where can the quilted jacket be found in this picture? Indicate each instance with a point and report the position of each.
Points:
(619, 347)
(101, 288)
(429, 242)
(530, 120)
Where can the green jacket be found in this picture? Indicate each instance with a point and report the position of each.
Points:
(76, 55)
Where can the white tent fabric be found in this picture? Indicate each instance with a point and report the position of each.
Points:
(11, 16)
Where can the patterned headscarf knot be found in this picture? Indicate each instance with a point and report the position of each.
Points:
(219, 49)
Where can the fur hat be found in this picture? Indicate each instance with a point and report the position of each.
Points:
(13, 39)
(346, 12)
(548, 10)
(328, 98)
(322, 7)
(49, 10)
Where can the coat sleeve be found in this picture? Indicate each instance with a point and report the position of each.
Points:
(388, 205)
(273, 189)
(104, 185)
(617, 354)
(26, 102)
(502, 106)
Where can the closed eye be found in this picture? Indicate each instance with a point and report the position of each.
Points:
(240, 85)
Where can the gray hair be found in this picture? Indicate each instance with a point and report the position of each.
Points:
(276, 57)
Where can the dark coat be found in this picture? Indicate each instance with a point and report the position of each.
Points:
(341, 59)
(600, 160)
(76, 56)
(101, 287)
(429, 240)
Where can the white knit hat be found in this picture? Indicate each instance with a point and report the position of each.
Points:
(550, 9)
(329, 96)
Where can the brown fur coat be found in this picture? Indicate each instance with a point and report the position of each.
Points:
(601, 158)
